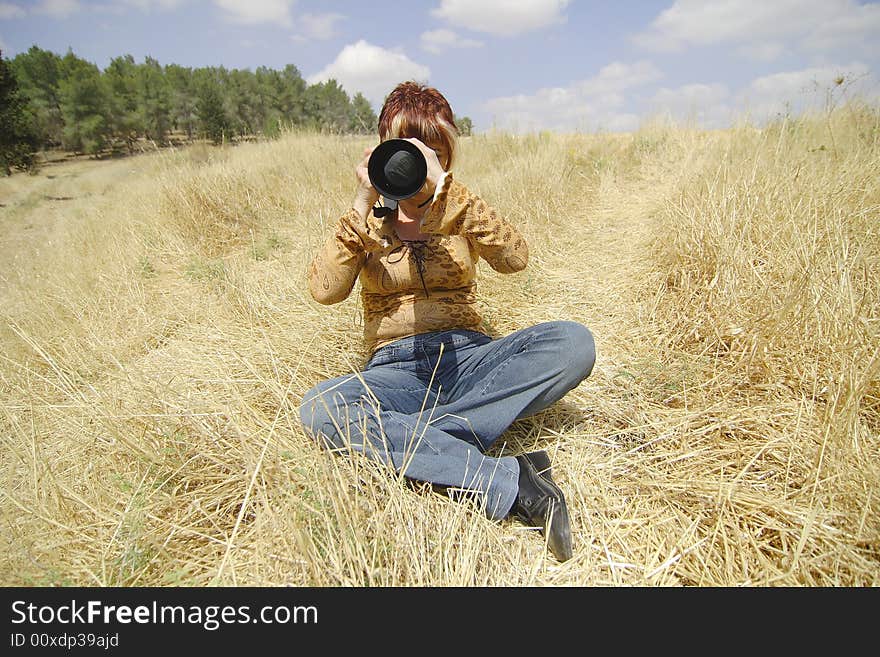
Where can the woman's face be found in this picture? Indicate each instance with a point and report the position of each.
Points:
(442, 152)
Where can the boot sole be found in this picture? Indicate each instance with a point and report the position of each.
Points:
(558, 515)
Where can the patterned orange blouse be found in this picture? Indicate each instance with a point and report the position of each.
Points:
(411, 287)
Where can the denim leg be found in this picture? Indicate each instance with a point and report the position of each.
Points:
(353, 411)
(513, 377)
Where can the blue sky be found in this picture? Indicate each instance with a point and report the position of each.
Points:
(516, 65)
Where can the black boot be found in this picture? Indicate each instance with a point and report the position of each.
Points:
(540, 503)
(541, 461)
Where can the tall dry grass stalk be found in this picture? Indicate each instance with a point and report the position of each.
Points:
(157, 337)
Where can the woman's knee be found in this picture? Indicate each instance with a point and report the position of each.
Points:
(332, 413)
(311, 411)
(580, 351)
(315, 411)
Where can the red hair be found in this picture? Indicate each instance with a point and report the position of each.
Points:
(416, 110)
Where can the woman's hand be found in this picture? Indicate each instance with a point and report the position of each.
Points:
(435, 171)
(366, 195)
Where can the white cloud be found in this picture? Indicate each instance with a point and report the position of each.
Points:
(762, 52)
(593, 103)
(715, 105)
(689, 94)
(316, 27)
(707, 105)
(9, 10)
(371, 70)
(58, 8)
(502, 17)
(251, 12)
(437, 41)
(856, 26)
(148, 5)
(796, 91)
(810, 24)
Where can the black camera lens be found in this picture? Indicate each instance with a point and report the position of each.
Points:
(397, 169)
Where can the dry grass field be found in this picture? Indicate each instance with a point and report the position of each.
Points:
(156, 337)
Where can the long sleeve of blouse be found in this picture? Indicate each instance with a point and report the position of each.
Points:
(335, 268)
(457, 211)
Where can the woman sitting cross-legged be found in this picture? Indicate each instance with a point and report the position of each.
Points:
(437, 391)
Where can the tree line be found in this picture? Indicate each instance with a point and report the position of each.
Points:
(51, 101)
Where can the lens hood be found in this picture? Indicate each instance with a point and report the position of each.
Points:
(397, 169)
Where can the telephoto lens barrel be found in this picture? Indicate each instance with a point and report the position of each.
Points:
(397, 169)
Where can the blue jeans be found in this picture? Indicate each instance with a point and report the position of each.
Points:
(430, 405)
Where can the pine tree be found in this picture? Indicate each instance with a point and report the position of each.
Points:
(84, 106)
(183, 99)
(465, 125)
(121, 80)
(364, 119)
(328, 107)
(291, 98)
(39, 74)
(213, 121)
(18, 137)
(154, 100)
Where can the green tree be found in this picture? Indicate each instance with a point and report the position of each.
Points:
(363, 118)
(121, 79)
(247, 102)
(291, 97)
(84, 106)
(283, 94)
(39, 74)
(465, 125)
(213, 120)
(328, 107)
(18, 136)
(183, 99)
(154, 100)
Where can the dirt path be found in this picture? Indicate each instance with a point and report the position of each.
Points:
(616, 277)
(35, 210)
